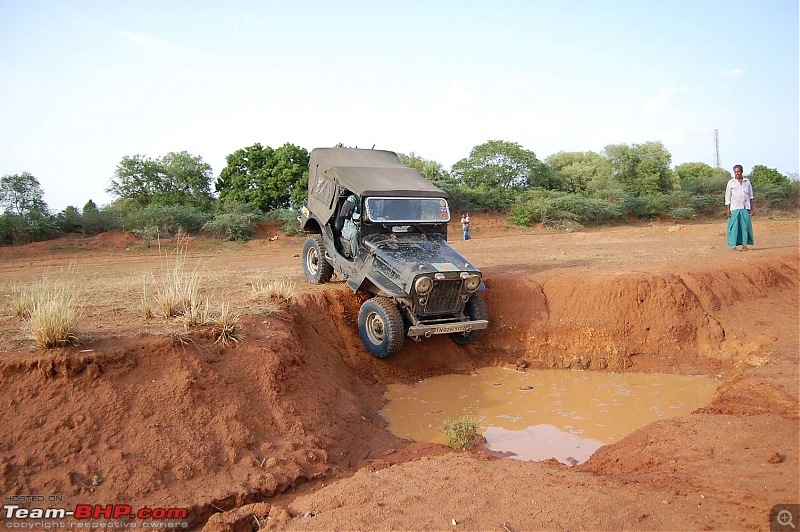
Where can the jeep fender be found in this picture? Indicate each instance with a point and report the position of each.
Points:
(382, 284)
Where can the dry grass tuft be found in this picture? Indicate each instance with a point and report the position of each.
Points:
(282, 288)
(227, 328)
(144, 303)
(271, 307)
(55, 314)
(181, 338)
(178, 290)
(21, 301)
(196, 312)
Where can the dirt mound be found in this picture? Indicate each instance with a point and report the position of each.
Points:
(114, 240)
(267, 230)
(285, 424)
(69, 244)
(230, 425)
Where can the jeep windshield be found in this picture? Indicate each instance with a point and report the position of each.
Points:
(407, 210)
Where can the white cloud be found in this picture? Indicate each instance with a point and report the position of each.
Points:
(139, 39)
(515, 83)
(660, 101)
(735, 73)
(454, 94)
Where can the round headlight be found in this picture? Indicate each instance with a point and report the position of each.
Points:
(472, 283)
(423, 285)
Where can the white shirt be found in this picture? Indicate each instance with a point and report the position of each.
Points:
(738, 195)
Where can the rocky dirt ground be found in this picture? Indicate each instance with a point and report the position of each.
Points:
(282, 432)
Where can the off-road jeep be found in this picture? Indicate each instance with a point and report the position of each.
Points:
(382, 227)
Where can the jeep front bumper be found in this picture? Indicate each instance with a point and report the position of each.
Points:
(427, 331)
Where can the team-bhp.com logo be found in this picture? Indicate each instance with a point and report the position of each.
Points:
(88, 515)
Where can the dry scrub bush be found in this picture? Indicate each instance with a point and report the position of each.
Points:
(55, 314)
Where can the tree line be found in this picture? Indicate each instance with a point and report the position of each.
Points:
(173, 193)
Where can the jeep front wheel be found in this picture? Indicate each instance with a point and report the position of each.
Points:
(381, 326)
(475, 309)
(317, 269)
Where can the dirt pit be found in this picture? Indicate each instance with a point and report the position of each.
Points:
(282, 430)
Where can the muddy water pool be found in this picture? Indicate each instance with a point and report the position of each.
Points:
(541, 414)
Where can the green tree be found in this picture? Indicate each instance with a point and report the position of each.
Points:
(502, 164)
(702, 179)
(189, 179)
(579, 169)
(26, 217)
(265, 178)
(431, 170)
(92, 221)
(21, 195)
(642, 169)
(762, 175)
(137, 180)
(178, 178)
(69, 220)
(693, 171)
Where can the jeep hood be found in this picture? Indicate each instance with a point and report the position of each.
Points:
(410, 254)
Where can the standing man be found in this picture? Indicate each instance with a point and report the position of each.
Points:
(739, 204)
(465, 225)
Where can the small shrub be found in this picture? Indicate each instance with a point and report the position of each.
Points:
(646, 207)
(562, 210)
(708, 204)
(230, 226)
(461, 433)
(682, 213)
(523, 214)
(287, 218)
(169, 220)
(148, 234)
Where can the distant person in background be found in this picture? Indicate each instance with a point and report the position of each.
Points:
(465, 225)
(739, 204)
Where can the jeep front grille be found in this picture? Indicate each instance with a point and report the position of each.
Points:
(444, 298)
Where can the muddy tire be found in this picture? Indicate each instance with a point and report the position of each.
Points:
(317, 269)
(475, 309)
(380, 325)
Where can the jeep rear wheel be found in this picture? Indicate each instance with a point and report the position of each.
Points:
(317, 269)
(475, 309)
(380, 325)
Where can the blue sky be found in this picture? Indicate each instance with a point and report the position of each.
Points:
(85, 83)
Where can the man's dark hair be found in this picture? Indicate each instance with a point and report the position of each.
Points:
(739, 166)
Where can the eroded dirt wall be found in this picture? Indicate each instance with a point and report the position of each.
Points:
(601, 321)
